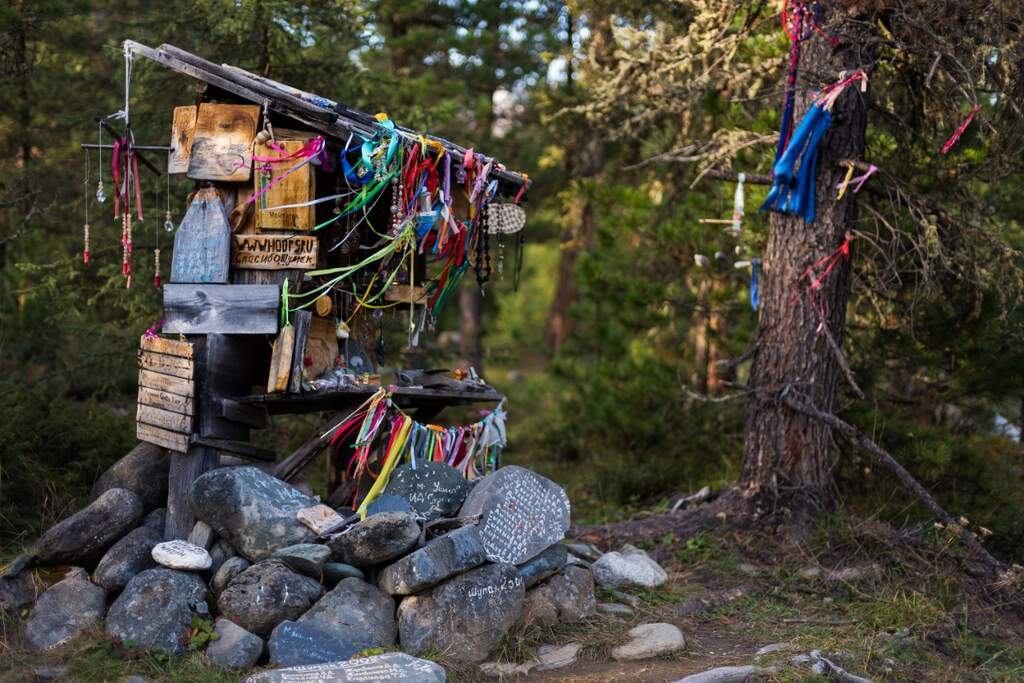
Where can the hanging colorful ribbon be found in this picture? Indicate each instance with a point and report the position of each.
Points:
(738, 204)
(955, 137)
(755, 283)
(857, 182)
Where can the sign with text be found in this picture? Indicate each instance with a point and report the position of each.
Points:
(274, 252)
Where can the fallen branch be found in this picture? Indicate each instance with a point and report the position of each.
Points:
(919, 491)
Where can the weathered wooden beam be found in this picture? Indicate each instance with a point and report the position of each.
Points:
(237, 448)
(301, 324)
(166, 383)
(251, 415)
(185, 468)
(220, 309)
(294, 463)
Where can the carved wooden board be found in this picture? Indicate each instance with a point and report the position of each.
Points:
(221, 309)
(274, 252)
(183, 128)
(166, 407)
(281, 360)
(222, 144)
(202, 243)
(296, 188)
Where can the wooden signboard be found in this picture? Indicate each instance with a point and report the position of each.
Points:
(201, 245)
(221, 309)
(166, 403)
(274, 252)
(296, 188)
(183, 128)
(222, 142)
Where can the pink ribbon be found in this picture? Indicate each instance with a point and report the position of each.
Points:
(955, 137)
(859, 180)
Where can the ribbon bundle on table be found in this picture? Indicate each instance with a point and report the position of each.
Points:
(474, 450)
(793, 190)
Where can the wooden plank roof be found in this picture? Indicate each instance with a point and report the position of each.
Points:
(333, 119)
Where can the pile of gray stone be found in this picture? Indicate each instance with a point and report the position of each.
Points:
(439, 565)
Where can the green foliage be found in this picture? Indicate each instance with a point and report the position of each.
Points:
(202, 633)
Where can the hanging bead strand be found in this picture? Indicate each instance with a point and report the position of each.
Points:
(85, 229)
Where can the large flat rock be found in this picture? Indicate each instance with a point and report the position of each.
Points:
(434, 489)
(441, 558)
(391, 667)
(376, 539)
(255, 512)
(522, 513)
(66, 609)
(155, 609)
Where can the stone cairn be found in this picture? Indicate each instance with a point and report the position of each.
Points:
(439, 565)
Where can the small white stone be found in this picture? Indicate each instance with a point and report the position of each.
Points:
(650, 640)
(628, 567)
(554, 657)
(181, 555)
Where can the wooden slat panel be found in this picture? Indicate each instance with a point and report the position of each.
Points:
(175, 422)
(170, 347)
(162, 437)
(167, 383)
(222, 144)
(166, 365)
(225, 309)
(166, 401)
(281, 361)
(183, 128)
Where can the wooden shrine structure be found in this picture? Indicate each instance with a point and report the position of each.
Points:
(233, 350)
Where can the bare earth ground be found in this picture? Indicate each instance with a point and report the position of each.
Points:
(905, 610)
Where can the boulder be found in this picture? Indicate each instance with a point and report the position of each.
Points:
(434, 489)
(143, 471)
(376, 539)
(522, 513)
(235, 648)
(155, 519)
(82, 538)
(16, 591)
(305, 558)
(584, 551)
(334, 572)
(253, 511)
(388, 502)
(628, 567)
(650, 640)
(464, 618)
(351, 618)
(568, 596)
(64, 610)
(232, 567)
(127, 557)
(542, 566)
(181, 555)
(220, 553)
(357, 613)
(441, 558)
(155, 609)
(391, 667)
(265, 594)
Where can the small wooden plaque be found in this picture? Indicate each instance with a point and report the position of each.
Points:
(222, 144)
(296, 188)
(274, 252)
(183, 128)
(221, 309)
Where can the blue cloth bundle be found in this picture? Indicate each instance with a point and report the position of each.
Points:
(793, 189)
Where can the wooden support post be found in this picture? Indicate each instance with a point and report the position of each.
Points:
(185, 468)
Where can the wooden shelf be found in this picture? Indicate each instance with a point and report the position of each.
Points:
(404, 397)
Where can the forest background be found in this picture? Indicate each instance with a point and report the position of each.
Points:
(614, 332)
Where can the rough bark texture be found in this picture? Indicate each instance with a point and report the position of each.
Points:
(788, 456)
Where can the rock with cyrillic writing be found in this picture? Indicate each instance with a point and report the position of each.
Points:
(255, 512)
(522, 513)
(155, 609)
(464, 618)
(66, 609)
(265, 594)
(376, 539)
(441, 558)
(434, 489)
(181, 555)
(82, 538)
(391, 667)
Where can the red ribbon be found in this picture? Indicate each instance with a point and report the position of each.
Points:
(955, 137)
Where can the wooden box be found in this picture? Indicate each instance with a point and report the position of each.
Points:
(296, 188)
(166, 404)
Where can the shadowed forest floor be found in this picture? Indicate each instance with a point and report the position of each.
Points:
(883, 604)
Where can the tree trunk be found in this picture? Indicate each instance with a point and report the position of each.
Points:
(470, 308)
(788, 457)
